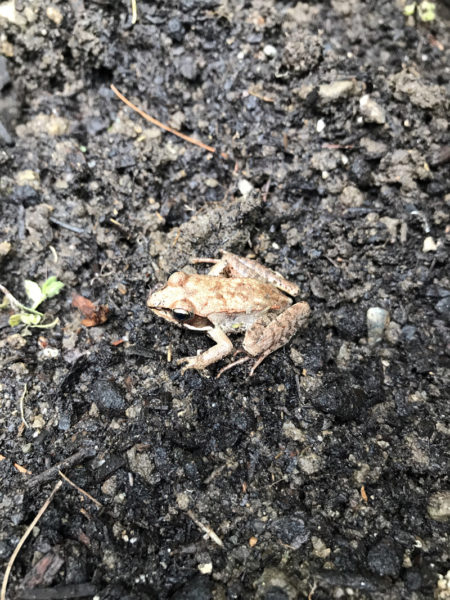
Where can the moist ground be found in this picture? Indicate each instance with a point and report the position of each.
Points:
(325, 474)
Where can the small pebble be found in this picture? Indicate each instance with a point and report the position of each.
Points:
(371, 111)
(391, 225)
(64, 421)
(25, 195)
(320, 125)
(310, 463)
(38, 422)
(443, 307)
(108, 397)
(337, 89)
(48, 353)
(409, 332)
(188, 68)
(377, 319)
(28, 177)
(175, 29)
(291, 531)
(5, 248)
(270, 51)
(245, 187)
(351, 196)
(439, 506)
(54, 15)
(361, 172)
(8, 11)
(211, 182)
(429, 245)
(205, 568)
(251, 102)
(443, 587)
(6, 48)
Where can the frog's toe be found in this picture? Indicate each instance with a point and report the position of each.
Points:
(187, 362)
(191, 362)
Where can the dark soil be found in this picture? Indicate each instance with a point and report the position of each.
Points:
(325, 474)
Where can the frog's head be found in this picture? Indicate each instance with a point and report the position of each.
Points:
(170, 303)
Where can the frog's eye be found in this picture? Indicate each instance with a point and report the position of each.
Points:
(182, 315)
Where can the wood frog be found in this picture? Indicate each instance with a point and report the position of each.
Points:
(237, 295)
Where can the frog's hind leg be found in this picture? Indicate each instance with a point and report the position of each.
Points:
(222, 267)
(262, 339)
(217, 270)
(239, 266)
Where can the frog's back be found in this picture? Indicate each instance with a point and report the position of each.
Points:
(232, 295)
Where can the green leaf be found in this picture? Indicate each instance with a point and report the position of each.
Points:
(15, 320)
(427, 11)
(409, 9)
(51, 287)
(30, 319)
(33, 292)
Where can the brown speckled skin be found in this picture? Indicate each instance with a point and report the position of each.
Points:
(246, 267)
(248, 299)
(208, 295)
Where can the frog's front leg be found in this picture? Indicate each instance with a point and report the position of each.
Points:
(262, 339)
(222, 348)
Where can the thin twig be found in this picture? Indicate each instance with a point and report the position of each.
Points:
(133, 12)
(265, 189)
(205, 528)
(70, 482)
(76, 458)
(333, 262)
(22, 414)
(18, 467)
(260, 96)
(312, 590)
(153, 121)
(24, 538)
(54, 254)
(68, 226)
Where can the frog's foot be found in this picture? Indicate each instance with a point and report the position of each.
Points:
(233, 364)
(240, 361)
(258, 362)
(191, 362)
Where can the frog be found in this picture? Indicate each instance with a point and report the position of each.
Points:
(237, 295)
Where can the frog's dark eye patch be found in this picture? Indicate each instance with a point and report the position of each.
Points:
(182, 315)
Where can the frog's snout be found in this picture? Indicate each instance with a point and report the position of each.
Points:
(152, 299)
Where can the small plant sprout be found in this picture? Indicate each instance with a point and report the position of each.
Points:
(28, 315)
(425, 10)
